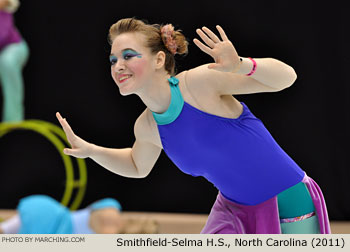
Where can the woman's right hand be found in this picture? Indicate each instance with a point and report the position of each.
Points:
(80, 148)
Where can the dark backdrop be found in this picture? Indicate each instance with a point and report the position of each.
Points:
(68, 71)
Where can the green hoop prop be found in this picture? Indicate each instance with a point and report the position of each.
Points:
(55, 134)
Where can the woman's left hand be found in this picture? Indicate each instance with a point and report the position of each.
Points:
(223, 52)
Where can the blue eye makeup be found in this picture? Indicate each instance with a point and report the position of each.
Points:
(113, 59)
(127, 54)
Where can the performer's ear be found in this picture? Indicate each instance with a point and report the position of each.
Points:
(160, 59)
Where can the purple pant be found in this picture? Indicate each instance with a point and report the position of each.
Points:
(227, 217)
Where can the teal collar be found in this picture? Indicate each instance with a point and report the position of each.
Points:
(175, 107)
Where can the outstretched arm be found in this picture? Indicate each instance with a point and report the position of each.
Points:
(135, 162)
(228, 73)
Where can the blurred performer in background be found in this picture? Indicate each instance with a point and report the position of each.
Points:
(41, 214)
(13, 56)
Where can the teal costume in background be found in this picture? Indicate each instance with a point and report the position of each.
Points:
(41, 214)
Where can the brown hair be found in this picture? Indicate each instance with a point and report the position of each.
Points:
(154, 39)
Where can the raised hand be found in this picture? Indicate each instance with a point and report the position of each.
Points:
(80, 148)
(223, 52)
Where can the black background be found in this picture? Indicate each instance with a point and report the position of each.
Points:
(68, 71)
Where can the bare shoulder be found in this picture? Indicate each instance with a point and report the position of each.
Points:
(208, 82)
(200, 79)
(145, 129)
(200, 87)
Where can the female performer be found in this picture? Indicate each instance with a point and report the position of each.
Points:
(13, 55)
(206, 131)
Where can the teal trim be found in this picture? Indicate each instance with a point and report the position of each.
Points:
(295, 201)
(175, 107)
(307, 226)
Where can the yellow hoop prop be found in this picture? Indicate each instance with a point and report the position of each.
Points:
(55, 134)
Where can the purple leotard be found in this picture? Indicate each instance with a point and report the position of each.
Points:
(239, 156)
(8, 32)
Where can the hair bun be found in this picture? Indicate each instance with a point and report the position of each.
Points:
(168, 34)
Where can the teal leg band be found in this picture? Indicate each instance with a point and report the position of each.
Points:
(294, 202)
(307, 226)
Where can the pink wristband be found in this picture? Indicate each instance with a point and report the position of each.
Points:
(254, 67)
